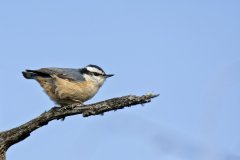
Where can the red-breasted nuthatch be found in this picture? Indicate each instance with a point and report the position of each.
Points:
(67, 86)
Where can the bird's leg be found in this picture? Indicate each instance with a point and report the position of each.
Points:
(76, 103)
(72, 106)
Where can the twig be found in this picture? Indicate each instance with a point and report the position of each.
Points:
(15, 135)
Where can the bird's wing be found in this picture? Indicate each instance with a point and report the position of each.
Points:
(65, 73)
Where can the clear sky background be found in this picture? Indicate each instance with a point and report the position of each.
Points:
(188, 51)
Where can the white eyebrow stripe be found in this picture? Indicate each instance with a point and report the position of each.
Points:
(92, 69)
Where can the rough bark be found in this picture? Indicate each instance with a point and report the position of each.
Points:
(15, 135)
(2, 154)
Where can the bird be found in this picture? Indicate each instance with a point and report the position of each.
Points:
(67, 86)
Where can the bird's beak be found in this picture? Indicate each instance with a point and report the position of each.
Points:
(108, 75)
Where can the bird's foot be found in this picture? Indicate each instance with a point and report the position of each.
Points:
(77, 104)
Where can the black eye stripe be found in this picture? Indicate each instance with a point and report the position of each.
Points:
(96, 74)
(85, 71)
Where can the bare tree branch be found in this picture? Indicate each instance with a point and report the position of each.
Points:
(15, 135)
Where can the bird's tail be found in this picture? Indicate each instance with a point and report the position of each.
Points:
(29, 74)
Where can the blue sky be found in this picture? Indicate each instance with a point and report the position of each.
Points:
(188, 51)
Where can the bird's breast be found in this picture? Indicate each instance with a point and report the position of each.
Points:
(74, 90)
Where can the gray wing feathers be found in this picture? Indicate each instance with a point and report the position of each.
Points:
(65, 73)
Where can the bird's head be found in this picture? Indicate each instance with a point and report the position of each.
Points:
(95, 74)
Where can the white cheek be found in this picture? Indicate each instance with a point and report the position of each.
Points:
(87, 77)
(98, 80)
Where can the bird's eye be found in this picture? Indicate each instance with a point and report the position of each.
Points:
(96, 74)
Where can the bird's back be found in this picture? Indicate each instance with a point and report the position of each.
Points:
(65, 73)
